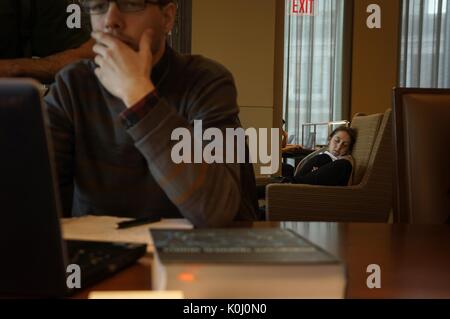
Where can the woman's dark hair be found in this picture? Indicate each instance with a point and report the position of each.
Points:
(351, 133)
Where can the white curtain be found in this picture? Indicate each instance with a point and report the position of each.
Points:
(313, 68)
(425, 45)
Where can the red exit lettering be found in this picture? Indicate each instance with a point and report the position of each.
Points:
(302, 7)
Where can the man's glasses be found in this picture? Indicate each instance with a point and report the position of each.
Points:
(94, 7)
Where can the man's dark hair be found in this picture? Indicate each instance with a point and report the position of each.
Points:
(351, 133)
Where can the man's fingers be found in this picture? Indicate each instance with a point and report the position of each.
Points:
(100, 50)
(98, 73)
(99, 61)
(106, 40)
(145, 44)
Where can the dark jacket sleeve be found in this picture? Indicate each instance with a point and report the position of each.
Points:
(209, 195)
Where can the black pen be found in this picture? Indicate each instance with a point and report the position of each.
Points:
(138, 222)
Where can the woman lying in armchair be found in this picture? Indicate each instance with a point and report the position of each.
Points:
(331, 167)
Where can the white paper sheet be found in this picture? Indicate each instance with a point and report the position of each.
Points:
(104, 228)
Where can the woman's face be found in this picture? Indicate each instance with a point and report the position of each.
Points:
(339, 144)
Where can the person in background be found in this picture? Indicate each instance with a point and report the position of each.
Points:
(332, 167)
(35, 40)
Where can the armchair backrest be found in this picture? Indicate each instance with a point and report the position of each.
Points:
(367, 129)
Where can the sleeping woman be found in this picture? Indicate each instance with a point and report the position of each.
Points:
(333, 166)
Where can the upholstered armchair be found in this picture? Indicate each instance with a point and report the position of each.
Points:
(369, 199)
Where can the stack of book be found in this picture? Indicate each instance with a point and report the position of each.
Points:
(244, 263)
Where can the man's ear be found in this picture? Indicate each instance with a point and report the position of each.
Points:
(170, 14)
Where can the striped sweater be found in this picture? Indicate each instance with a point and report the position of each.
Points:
(105, 168)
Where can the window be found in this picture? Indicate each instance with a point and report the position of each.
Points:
(425, 44)
(314, 74)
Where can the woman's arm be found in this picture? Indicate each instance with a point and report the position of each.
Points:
(335, 173)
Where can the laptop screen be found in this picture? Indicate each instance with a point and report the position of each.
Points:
(30, 240)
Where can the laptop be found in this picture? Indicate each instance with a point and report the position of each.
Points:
(35, 259)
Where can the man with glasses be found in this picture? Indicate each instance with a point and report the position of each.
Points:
(112, 119)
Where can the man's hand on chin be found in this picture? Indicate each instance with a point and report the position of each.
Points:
(124, 72)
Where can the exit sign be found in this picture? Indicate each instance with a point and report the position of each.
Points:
(303, 7)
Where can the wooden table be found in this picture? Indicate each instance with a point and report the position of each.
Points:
(414, 259)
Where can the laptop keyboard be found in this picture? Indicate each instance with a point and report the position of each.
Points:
(99, 260)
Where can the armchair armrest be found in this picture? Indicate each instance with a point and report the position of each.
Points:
(301, 202)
